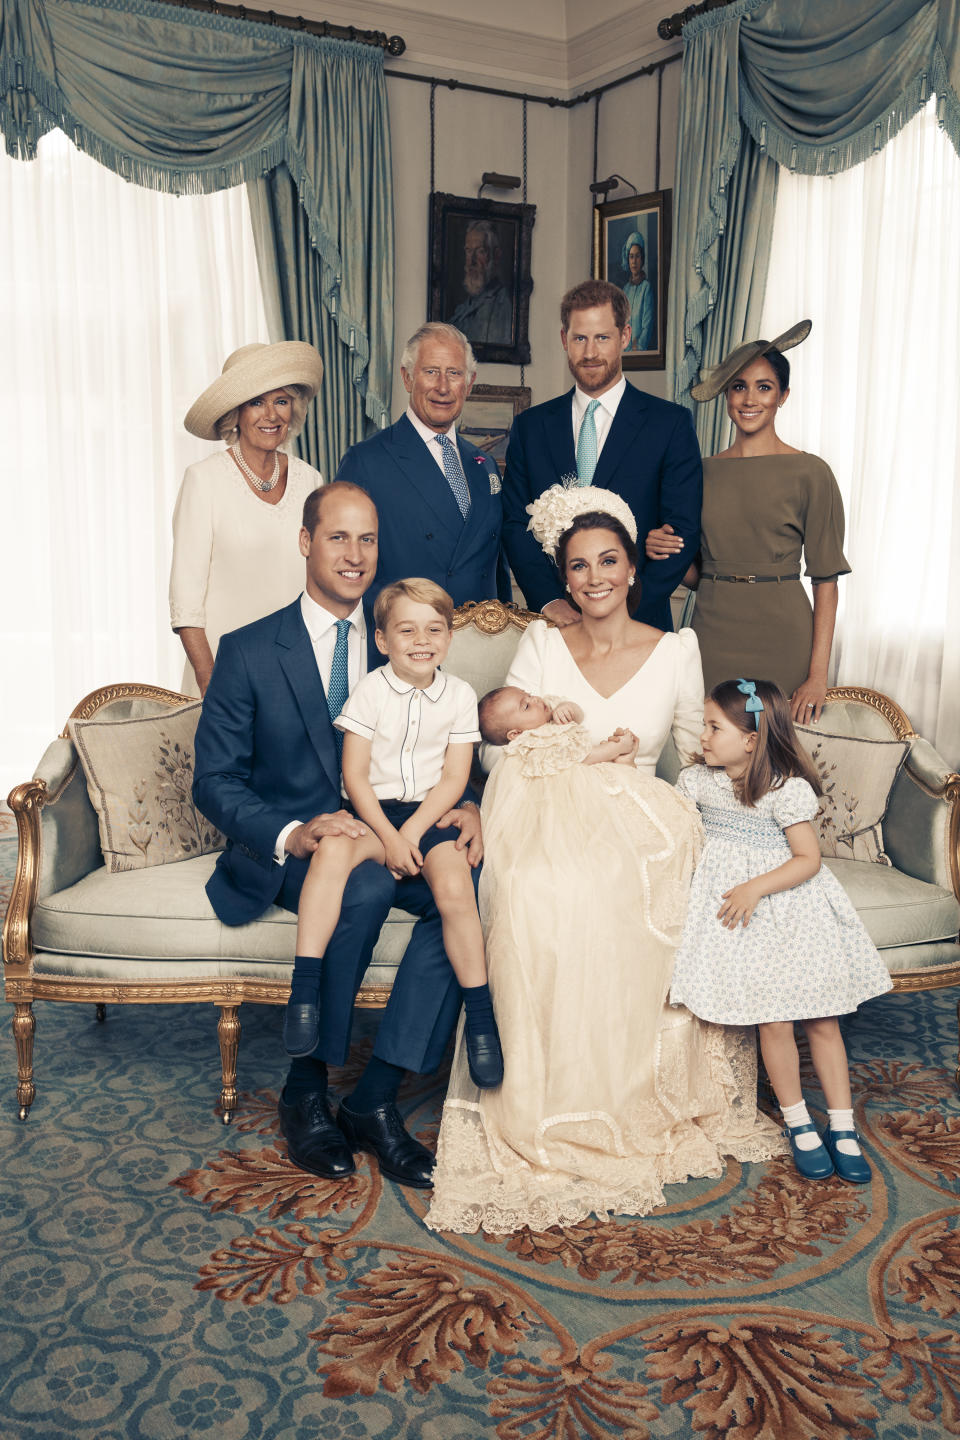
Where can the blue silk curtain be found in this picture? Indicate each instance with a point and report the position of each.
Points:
(816, 87)
(189, 103)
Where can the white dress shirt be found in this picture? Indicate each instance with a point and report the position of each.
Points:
(410, 729)
(602, 416)
(322, 629)
(429, 438)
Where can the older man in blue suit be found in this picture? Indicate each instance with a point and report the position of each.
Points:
(603, 432)
(438, 496)
(267, 772)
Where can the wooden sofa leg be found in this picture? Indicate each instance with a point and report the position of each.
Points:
(228, 1033)
(24, 1024)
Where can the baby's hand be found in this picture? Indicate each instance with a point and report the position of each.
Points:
(566, 713)
(402, 855)
(739, 904)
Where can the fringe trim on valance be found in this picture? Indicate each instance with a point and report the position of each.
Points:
(277, 37)
(834, 157)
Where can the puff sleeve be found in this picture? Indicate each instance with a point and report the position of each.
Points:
(794, 802)
(687, 723)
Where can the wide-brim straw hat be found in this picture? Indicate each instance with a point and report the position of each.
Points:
(253, 370)
(718, 377)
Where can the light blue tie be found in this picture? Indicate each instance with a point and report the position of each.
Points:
(454, 474)
(339, 686)
(587, 446)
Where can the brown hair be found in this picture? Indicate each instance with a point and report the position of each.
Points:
(423, 592)
(778, 754)
(494, 731)
(590, 293)
(600, 520)
(314, 501)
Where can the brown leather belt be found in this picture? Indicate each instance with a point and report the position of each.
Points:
(752, 579)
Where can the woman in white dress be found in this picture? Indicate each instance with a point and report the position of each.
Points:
(608, 1094)
(237, 517)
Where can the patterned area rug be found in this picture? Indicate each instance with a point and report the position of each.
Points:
(165, 1277)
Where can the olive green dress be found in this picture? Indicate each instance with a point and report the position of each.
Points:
(759, 515)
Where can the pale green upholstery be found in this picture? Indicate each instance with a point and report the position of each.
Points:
(75, 932)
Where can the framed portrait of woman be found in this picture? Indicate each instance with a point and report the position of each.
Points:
(631, 248)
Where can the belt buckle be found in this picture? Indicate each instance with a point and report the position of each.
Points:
(745, 579)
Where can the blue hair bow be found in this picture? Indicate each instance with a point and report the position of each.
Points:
(754, 705)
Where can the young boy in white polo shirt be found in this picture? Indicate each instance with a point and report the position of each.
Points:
(408, 741)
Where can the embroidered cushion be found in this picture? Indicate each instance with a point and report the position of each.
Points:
(139, 774)
(857, 777)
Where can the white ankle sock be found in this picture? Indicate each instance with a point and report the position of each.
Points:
(794, 1115)
(843, 1120)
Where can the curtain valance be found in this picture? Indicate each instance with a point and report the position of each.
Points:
(188, 102)
(819, 88)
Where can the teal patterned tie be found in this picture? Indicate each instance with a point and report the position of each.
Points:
(451, 468)
(339, 686)
(587, 446)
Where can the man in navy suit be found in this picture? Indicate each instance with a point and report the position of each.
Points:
(603, 432)
(438, 496)
(267, 773)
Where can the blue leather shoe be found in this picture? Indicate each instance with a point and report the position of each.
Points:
(485, 1059)
(813, 1164)
(852, 1168)
(301, 1029)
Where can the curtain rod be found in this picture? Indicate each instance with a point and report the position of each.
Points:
(326, 29)
(552, 100)
(672, 25)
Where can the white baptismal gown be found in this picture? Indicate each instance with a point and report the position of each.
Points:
(608, 1094)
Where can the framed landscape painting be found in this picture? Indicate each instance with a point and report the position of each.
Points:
(488, 414)
(631, 248)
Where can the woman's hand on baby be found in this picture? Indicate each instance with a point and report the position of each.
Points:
(739, 904)
(661, 543)
(402, 855)
(628, 745)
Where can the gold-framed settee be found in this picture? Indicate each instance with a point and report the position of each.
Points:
(60, 936)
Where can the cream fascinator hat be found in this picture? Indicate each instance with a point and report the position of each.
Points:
(718, 377)
(253, 370)
(553, 512)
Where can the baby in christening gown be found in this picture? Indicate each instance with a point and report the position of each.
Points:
(607, 1095)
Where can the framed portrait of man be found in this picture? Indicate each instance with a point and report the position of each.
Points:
(631, 248)
(480, 273)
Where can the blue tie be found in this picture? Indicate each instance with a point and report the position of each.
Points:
(587, 446)
(339, 686)
(451, 468)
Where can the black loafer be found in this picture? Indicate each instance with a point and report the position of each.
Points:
(381, 1131)
(301, 1029)
(484, 1059)
(314, 1142)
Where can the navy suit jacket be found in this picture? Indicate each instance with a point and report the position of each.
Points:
(650, 457)
(265, 755)
(421, 529)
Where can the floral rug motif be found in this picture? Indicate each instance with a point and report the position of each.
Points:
(163, 1276)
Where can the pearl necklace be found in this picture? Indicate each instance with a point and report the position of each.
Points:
(261, 485)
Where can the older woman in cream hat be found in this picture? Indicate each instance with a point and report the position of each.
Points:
(237, 517)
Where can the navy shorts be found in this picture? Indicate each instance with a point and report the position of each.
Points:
(397, 811)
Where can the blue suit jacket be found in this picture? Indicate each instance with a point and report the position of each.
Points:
(650, 457)
(421, 529)
(265, 755)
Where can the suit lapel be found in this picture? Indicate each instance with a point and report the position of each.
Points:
(557, 435)
(299, 664)
(622, 436)
(423, 473)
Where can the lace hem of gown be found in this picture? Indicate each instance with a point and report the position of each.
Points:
(660, 1143)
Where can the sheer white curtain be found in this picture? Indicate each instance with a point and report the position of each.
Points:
(872, 257)
(119, 305)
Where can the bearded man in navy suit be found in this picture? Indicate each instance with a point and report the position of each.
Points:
(603, 432)
(267, 772)
(438, 496)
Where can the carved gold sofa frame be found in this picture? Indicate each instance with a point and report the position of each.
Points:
(61, 886)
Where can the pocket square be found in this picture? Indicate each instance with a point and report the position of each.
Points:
(495, 486)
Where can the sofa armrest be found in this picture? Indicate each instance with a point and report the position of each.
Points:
(921, 830)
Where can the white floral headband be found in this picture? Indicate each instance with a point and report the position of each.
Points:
(553, 512)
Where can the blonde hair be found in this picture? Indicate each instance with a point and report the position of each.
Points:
(421, 591)
(228, 426)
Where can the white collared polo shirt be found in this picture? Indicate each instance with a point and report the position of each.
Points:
(410, 729)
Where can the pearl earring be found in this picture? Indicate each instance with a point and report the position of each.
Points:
(567, 588)
(631, 580)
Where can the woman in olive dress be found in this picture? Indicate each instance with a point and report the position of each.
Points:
(766, 505)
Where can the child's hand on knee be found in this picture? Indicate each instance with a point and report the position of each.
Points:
(739, 904)
(402, 855)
